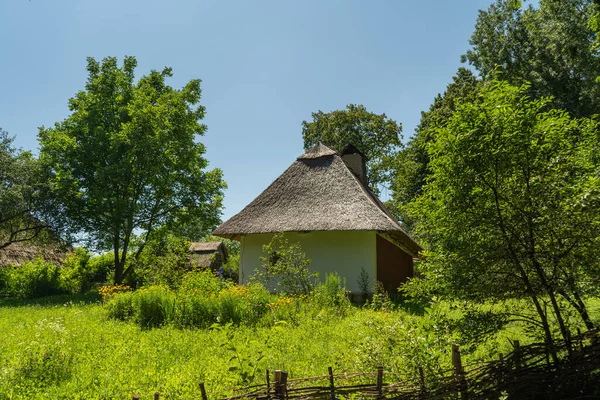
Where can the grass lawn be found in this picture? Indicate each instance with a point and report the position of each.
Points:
(56, 348)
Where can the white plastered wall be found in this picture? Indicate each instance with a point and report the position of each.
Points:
(344, 252)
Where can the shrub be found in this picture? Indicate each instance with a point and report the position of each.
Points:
(332, 294)
(33, 279)
(154, 306)
(164, 261)
(287, 264)
(121, 306)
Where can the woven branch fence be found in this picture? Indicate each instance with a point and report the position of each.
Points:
(535, 371)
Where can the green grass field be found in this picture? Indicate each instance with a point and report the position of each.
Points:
(71, 350)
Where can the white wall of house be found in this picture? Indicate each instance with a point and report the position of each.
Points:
(344, 252)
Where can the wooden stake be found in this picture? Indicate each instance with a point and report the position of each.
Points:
(331, 385)
(281, 384)
(203, 391)
(156, 396)
(379, 382)
(268, 386)
(422, 383)
(135, 397)
(517, 352)
(456, 360)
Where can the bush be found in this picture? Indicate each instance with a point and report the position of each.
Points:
(164, 261)
(332, 295)
(81, 271)
(154, 306)
(287, 265)
(33, 279)
(201, 301)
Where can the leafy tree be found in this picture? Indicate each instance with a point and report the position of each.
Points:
(126, 159)
(412, 162)
(551, 46)
(21, 205)
(375, 135)
(511, 207)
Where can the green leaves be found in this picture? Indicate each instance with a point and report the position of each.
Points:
(376, 136)
(502, 209)
(127, 159)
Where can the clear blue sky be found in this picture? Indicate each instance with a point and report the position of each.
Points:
(265, 65)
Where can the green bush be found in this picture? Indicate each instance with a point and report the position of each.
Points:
(332, 294)
(164, 261)
(121, 306)
(154, 306)
(32, 280)
(82, 271)
(202, 282)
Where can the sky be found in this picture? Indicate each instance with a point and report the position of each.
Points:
(265, 66)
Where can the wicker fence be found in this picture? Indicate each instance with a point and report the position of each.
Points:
(528, 372)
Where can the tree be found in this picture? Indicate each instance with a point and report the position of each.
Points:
(552, 47)
(376, 136)
(511, 207)
(126, 160)
(412, 162)
(21, 181)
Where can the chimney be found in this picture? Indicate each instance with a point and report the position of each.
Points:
(355, 160)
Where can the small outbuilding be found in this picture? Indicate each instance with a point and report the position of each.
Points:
(208, 254)
(323, 202)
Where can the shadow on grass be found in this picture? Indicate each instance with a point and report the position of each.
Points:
(88, 298)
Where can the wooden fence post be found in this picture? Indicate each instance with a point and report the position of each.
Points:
(135, 397)
(203, 391)
(281, 384)
(422, 387)
(517, 354)
(268, 386)
(379, 382)
(331, 385)
(459, 372)
(157, 396)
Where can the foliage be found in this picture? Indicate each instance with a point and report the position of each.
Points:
(31, 280)
(163, 261)
(364, 283)
(375, 135)
(550, 46)
(509, 210)
(126, 159)
(22, 206)
(82, 271)
(332, 295)
(287, 264)
(412, 163)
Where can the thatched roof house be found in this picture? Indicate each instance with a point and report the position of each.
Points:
(208, 254)
(323, 201)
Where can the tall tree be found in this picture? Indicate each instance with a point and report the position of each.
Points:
(511, 208)
(412, 162)
(551, 46)
(375, 135)
(127, 161)
(21, 184)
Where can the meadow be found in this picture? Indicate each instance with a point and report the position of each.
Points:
(74, 348)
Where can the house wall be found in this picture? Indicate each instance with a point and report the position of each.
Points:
(394, 266)
(344, 252)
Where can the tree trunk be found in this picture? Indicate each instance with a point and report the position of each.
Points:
(118, 266)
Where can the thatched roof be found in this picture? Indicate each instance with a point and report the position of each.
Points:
(318, 192)
(19, 253)
(204, 246)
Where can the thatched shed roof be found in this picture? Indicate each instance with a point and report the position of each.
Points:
(204, 246)
(20, 253)
(318, 192)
